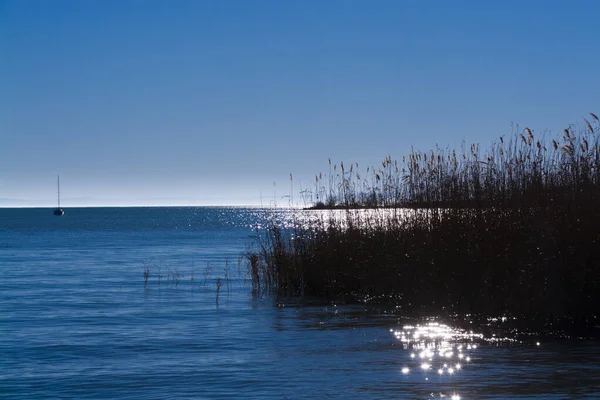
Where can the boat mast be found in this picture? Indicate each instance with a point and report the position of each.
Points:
(58, 186)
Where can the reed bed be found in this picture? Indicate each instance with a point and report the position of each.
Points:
(514, 230)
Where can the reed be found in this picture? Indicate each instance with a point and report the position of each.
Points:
(207, 272)
(514, 230)
(175, 276)
(219, 285)
(146, 276)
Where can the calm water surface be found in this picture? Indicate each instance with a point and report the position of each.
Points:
(77, 322)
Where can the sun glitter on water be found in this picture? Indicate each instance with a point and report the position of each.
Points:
(437, 348)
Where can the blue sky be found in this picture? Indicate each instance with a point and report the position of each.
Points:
(211, 102)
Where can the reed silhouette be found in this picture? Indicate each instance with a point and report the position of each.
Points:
(511, 231)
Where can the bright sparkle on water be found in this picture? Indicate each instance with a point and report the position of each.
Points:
(438, 347)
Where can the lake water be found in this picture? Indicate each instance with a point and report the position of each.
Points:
(78, 322)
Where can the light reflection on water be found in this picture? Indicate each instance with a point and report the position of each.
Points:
(437, 349)
(306, 219)
(455, 363)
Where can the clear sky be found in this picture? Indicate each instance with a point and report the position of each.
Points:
(211, 102)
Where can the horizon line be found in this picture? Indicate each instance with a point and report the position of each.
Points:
(270, 206)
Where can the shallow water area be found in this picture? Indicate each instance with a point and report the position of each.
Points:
(78, 320)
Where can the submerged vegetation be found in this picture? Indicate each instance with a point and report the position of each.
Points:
(511, 231)
(170, 278)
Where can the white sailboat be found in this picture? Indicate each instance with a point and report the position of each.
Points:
(58, 211)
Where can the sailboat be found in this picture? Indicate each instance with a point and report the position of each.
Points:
(58, 211)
